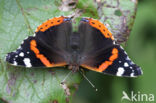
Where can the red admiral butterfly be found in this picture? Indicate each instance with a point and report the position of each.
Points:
(92, 47)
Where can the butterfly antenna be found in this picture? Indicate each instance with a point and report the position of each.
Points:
(89, 81)
(66, 77)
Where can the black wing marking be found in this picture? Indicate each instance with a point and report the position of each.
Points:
(52, 45)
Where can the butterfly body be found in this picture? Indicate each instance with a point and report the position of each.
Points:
(91, 47)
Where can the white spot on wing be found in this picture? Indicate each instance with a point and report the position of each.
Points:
(126, 64)
(34, 35)
(131, 62)
(125, 52)
(14, 63)
(127, 58)
(21, 54)
(27, 62)
(19, 47)
(119, 61)
(120, 71)
(114, 42)
(132, 74)
(121, 47)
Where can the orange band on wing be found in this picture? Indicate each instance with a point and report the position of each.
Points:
(49, 23)
(43, 59)
(98, 25)
(105, 64)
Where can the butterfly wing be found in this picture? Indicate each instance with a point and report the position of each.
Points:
(47, 48)
(104, 55)
(92, 39)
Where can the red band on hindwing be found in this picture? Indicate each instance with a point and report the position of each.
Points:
(44, 60)
(105, 64)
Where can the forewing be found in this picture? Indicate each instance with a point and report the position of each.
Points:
(47, 48)
(101, 54)
(94, 36)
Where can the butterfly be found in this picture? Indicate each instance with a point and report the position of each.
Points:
(92, 47)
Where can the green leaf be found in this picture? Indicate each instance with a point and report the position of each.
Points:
(118, 16)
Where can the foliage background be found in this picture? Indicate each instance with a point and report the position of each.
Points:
(141, 47)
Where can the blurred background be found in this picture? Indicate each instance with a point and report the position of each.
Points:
(141, 47)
